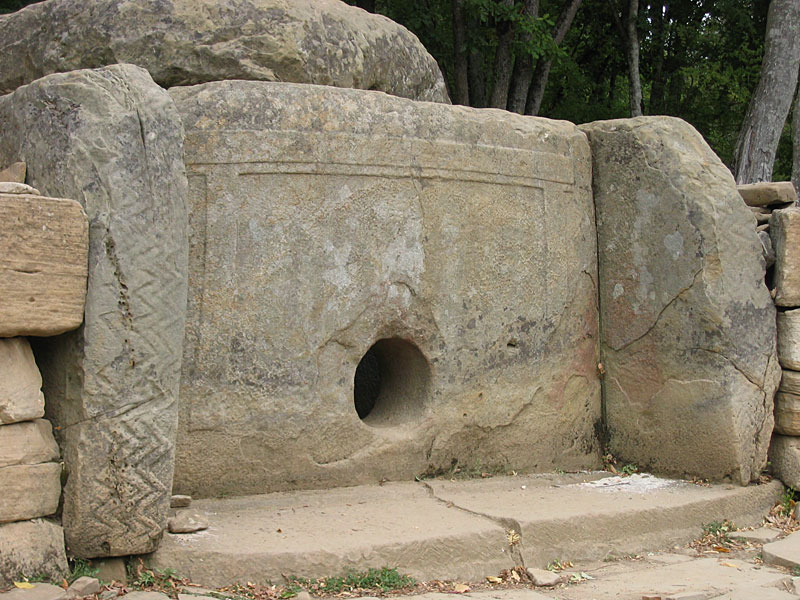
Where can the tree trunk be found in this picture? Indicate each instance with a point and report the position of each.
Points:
(476, 73)
(634, 80)
(542, 72)
(660, 21)
(523, 67)
(796, 143)
(503, 62)
(754, 155)
(366, 5)
(461, 72)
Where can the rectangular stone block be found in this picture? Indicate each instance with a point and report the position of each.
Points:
(44, 244)
(787, 414)
(27, 443)
(31, 548)
(789, 339)
(784, 459)
(29, 491)
(21, 397)
(767, 193)
(384, 289)
(784, 229)
(790, 382)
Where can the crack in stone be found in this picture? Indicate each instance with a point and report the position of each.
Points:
(508, 524)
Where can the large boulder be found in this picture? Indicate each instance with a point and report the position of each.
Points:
(688, 326)
(112, 139)
(183, 42)
(380, 287)
(31, 548)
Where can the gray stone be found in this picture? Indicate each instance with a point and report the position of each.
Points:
(184, 42)
(83, 586)
(21, 397)
(44, 244)
(108, 594)
(110, 569)
(762, 535)
(31, 548)
(688, 324)
(27, 443)
(784, 230)
(39, 591)
(766, 249)
(767, 193)
(14, 172)
(784, 553)
(112, 139)
(29, 491)
(179, 501)
(543, 577)
(790, 382)
(784, 458)
(789, 339)
(145, 596)
(457, 243)
(186, 521)
(787, 413)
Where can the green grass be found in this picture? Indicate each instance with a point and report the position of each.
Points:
(788, 500)
(79, 567)
(384, 579)
(720, 529)
(161, 580)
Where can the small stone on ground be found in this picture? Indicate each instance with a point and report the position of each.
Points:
(39, 591)
(180, 501)
(83, 586)
(542, 577)
(187, 522)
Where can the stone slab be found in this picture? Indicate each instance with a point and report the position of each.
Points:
(112, 385)
(444, 530)
(27, 443)
(787, 413)
(784, 553)
(29, 491)
(428, 233)
(790, 382)
(767, 193)
(39, 591)
(688, 324)
(184, 42)
(784, 459)
(15, 172)
(789, 339)
(784, 230)
(44, 244)
(31, 548)
(762, 535)
(21, 397)
(110, 569)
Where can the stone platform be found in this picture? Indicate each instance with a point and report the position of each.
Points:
(440, 529)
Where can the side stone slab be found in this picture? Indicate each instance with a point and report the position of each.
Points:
(688, 326)
(112, 139)
(458, 244)
(31, 548)
(184, 42)
(21, 397)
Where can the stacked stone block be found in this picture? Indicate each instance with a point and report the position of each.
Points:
(43, 259)
(778, 222)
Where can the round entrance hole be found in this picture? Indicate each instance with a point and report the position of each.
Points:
(391, 383)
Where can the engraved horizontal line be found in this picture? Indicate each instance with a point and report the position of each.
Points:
(397, 172)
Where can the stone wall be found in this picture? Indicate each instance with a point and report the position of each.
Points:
(43, 264)
(381, 288)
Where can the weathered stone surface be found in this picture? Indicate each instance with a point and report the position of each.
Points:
(789, 339)
(11, 187)
(543, 577)
(83, 586)
(784, 458)
(461, 241)
(29, 491)
(39, 591)
(21, 397)
(179, 501)
(790, 382)
(688, 325)
(44, 244)
(145, 596)
(27, 443)
(187, 521)
(761, 535)
(784, 230)
(767, 193)
(787, 414)
(14, 172)
(184, 42)
(112, 139)
(110, 569)
(31, 548)
(785, 552)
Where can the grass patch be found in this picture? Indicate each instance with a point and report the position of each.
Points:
(143, 578)
(79, 567)
(383, 580)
